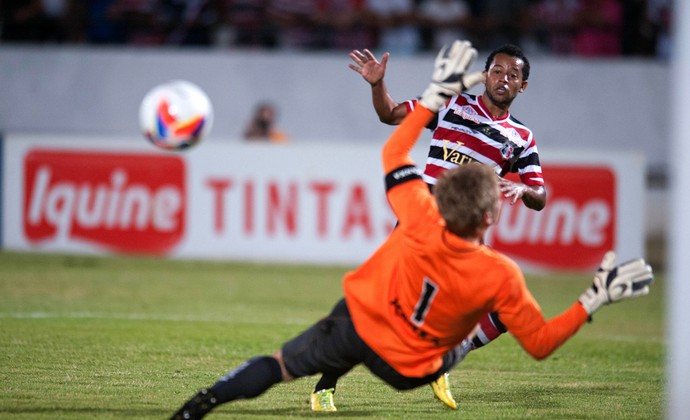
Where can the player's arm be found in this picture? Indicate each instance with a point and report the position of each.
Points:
(448, 79)
(373, 71)
(388, 111)
(612, 283)
(396, 151)
(534, 197)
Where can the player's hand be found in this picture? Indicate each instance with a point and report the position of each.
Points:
(613, 283)
(512, 190)
(368, 66)
(449, 77)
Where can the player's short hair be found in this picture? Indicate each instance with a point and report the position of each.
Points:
(464, 194)
(513, 51)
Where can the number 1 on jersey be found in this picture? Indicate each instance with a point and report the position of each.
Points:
(429, 290)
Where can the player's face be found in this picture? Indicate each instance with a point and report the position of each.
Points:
(503, 80)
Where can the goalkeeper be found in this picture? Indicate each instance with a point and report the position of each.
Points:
(409, 306)
(467, 128)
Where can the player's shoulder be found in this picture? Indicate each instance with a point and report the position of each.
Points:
(501, 261)
(523, 131)
(466, 98)
(461, 100)
(517, 123)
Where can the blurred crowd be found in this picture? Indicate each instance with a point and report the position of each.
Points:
(558, 27)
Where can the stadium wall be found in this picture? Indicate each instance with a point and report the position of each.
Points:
(574, 104)
(89, 97)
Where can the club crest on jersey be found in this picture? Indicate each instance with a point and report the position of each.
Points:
(507, 151)
(466, 112)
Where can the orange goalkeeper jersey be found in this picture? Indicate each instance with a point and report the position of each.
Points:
(423, 291)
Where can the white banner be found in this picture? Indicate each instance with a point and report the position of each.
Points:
(316, 203)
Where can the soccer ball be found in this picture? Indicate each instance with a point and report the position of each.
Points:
(175, 115)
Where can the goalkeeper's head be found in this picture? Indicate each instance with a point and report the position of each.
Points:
(469, 199)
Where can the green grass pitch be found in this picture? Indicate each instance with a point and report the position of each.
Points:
(94, 337)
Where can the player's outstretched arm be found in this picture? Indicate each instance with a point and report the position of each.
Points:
(450, 75)
(373, 71)
(533, 197)
(448, 79)
(613, 283)
(366, 64)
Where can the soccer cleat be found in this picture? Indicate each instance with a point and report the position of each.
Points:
(323, 400)
(442, 391)
(196, 408)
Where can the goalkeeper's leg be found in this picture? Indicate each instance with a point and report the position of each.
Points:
(322, 397)
(326, 382)
(249, 380)
(489, 329)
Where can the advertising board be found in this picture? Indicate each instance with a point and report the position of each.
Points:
(321, 204)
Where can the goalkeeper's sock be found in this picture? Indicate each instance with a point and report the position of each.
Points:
(248, 380)
(326, 382)
(197, 407)
(490, 328)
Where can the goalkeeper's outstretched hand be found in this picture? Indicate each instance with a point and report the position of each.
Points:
(449, 77)
(613, 283)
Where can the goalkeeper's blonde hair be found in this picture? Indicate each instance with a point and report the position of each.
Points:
(464, 195)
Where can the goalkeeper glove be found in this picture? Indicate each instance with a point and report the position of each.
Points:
(449, 76)
(614, 283)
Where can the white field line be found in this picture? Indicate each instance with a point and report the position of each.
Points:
(145, 317)
(196, 318)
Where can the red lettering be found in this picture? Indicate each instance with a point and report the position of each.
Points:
(127, 202)
(248, 207)
(322, 191)
(357, 212)
(282, 207)
(574, 230)
(218, 187)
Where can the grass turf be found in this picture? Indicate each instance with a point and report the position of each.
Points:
(93, 337)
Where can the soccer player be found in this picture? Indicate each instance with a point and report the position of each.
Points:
(466, 129)
(469, 128)
(407, 309)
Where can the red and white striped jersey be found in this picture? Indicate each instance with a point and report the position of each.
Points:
(464, 131)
